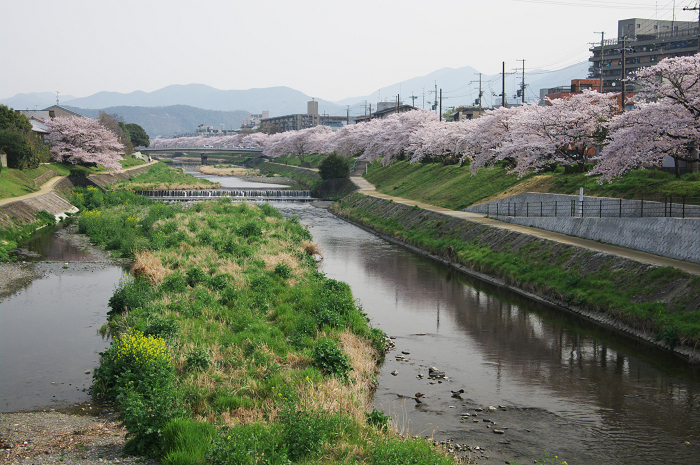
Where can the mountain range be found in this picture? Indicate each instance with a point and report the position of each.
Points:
(181, 108)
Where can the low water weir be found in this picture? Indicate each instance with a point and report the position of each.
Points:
(235, 194)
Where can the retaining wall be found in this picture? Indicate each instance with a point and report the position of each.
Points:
(668, 237)
(561, 205)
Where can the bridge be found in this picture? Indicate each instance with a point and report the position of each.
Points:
(230, 149)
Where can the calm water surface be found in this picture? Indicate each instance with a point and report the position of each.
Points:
(582, 393)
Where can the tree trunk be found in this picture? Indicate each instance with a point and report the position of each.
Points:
(677, 165)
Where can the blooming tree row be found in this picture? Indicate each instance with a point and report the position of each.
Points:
(564, 131)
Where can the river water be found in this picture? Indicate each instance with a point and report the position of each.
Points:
(556, 383)
(584, 394)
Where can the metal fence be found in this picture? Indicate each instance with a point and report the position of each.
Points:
(663, 207)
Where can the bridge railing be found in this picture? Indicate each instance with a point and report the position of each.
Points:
(231, 148)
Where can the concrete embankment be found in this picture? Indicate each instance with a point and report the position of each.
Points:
(511, 258)
(55, 200)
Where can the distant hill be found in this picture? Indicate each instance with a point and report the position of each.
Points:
(277, 100)
(169, 120)
(34, 100)
(460, 86)
(181, 108)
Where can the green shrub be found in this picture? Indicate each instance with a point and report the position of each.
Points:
(250, 229)
(20, 152)
(80, 172)
(129, 295)
(378, 418)
(330, 359)
(198, 359)
(165, 329)
(283, 270)
(136, 372)
(174, 283)
(305, 432)
(195, 276)
(334, 166)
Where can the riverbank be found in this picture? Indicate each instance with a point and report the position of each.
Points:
(656, 304)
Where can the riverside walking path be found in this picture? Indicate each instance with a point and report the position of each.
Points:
(367, 188)
(48, 186)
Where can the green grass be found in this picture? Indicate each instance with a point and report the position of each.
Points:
(450, 186)
(307, 178)
(455, 187)
(268, 353)
(162, 176)
(630, 295)
(128, 162)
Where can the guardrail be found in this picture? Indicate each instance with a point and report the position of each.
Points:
(659, 207)
(232, 148)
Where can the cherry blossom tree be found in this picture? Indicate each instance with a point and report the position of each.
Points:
(79, 140)
(488, 133)
(438, 140)
(563, 131)
(666, 121)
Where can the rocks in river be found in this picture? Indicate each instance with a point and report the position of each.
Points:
(434, 373)
(492, 408)
(389, 343)
(499, 431)
(394, 372)
(405, 352)
(420, 376)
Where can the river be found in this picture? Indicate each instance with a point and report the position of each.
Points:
(555, 382)
(558, 383)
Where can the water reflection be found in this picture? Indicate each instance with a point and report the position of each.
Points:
(49, 339)
(53, 244)
(590, 395)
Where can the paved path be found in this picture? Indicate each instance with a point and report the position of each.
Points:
(48, 186)
(368, 189)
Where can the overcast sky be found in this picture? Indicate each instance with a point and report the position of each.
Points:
(326, 49)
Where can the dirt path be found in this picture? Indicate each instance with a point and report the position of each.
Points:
(367, 188)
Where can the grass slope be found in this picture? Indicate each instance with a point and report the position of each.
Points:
(455, 187)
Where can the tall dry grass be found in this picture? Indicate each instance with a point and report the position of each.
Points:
(150, 267)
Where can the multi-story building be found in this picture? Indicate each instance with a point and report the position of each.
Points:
(304, 121)
(383, 110)
(254, 120)
(644, 42)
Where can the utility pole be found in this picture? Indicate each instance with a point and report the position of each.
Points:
(413, 98)
(602, 45)
(695, 8)
(347, 121)
(423, 107)
(365, 107)
(397, 102)
(503, 89)
(370, 111)
(522, 85)
(436, 95)
(440, 104)
(480, 93)
(624, 71)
